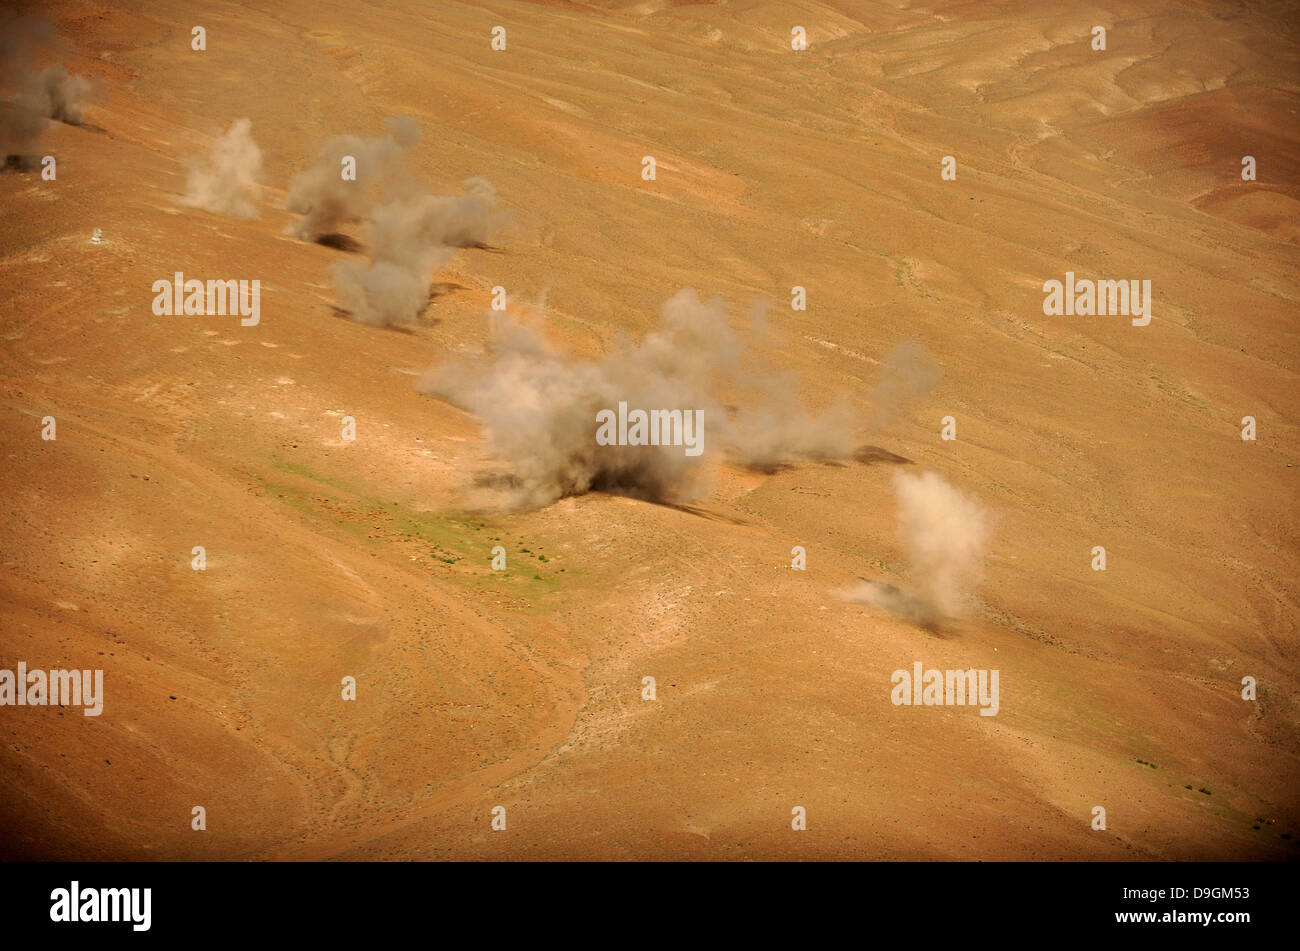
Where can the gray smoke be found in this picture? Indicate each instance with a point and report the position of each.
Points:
(326, 200)
(540, 409)
(408, 233)
(381, 293)
(772, 426)
(35, 95)
(945, 535)
(406, 241)
(54, 93)
(776, 428)
(226, 182)
(907, 374)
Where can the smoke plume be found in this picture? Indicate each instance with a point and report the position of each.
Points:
(408, 232)
(226, 183)
(35, 95)
(540, 410)
(907, 374)
(945, 535)
(326, 200)
(406, 241)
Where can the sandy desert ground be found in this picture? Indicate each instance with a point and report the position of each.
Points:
(329, 558)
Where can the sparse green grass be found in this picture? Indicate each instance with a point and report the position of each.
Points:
(461, 542)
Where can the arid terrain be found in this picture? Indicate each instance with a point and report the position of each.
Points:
(329, 558)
